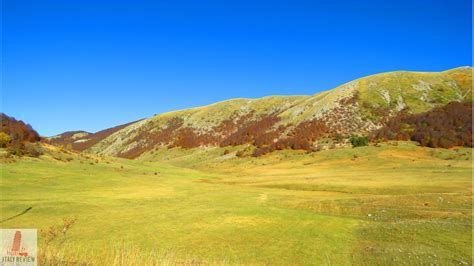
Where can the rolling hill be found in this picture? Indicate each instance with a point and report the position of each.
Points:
(359, 107)
(188, 198)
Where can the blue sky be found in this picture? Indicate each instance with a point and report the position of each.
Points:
(90, 65)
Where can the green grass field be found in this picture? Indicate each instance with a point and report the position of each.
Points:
(396, 204)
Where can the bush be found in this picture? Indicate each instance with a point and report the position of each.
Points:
(33, 150)
(5, 139)
(339, 137)
(16, 151)
(359, 141)
(261, 151)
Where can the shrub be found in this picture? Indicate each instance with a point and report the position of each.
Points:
(339, 137)
(359, 141)
(33, 150)
(5, 139)
(261, 151)
(16, 151)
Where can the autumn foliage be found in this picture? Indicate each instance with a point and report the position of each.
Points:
(444, 127)
(18, 131)
(258, 132)
(300, 138)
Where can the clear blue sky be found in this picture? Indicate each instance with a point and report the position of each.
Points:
(90, 65)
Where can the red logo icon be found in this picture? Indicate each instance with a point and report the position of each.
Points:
(17, 249)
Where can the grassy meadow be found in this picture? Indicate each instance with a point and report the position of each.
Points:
(395, 203)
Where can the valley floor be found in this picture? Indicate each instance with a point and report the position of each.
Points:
(393, 204)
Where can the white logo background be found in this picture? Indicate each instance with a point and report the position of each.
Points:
(28, 249)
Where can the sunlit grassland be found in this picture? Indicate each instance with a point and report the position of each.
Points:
(391, 204)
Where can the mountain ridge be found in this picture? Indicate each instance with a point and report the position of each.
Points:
(356, 107)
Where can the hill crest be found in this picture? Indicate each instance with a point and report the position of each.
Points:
(357, 107)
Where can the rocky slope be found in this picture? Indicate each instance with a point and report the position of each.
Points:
(358, 107)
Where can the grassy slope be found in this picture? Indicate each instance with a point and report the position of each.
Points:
(371, 205)
(420, 91)
(201, 119)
